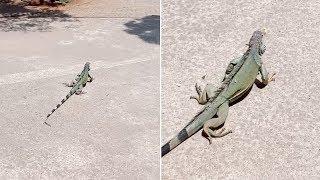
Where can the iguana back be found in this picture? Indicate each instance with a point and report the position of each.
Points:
(238, 81)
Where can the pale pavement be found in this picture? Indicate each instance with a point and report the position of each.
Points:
(112, 131)
(276, 129)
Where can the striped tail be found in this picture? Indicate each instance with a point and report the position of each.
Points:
(194, 126)
(62, 101)
(174, 142)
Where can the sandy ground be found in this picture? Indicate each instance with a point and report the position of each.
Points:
(112, 131)
(276, 129)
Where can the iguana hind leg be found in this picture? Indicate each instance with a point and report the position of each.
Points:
(71, 84)
(79, 90)
(210, 126)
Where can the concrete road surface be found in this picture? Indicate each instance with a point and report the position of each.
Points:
(112, 131)
(276, 129)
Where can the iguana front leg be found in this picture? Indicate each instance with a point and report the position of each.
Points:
(79, 90)
(265, 78)
(90, 78)
(199, 92)
(205, 95)
(210, 126)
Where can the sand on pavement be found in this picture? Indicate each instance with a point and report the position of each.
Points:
(276, 129)
(112, 131)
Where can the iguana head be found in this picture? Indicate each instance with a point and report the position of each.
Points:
(256, 41)
(87, 66)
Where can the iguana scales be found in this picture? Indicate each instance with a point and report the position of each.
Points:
(239, 78)
(77, 85)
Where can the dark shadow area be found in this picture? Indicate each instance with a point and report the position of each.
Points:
(241, 97)
(21, 18)
(146, 28)
(259, 84)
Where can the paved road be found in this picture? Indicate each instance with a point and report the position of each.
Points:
(276, 129)
(112, 131)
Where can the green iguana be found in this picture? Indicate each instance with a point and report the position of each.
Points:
(77, 85)
(239, 78)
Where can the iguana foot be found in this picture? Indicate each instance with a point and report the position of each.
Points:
(194, 97)
(216, 133)
(69, 84)
(198, 89)
(207, 132)
(80, 92)
(225, 131)
(210, 139)
(272, 78)
(221, 130)
(91, 79)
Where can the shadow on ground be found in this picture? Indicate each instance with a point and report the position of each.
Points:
(146, 28)
(21, 18)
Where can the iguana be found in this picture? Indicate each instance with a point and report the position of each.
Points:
(239, 78)
(77, 85)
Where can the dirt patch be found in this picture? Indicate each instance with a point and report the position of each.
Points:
(76, 3)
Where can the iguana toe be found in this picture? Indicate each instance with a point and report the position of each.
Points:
(80, 93)
(209, 139)
(272, 78)
(198, 89)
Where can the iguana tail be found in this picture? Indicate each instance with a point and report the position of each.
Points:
(174, 142)
(72, 91)
(194, 126)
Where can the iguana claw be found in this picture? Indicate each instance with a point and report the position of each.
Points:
(198, 89)
(272, 78)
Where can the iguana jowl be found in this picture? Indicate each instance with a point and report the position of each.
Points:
(77, 85)
(239, 78)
